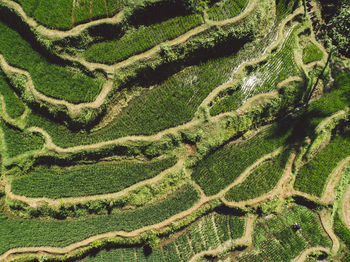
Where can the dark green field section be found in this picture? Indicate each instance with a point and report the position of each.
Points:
(19, 142)
(226, 9)
(313, 176)
(86, 180)
(22, 232)
(262, 180)
(141, 39)
(209, 232)
(275, 239)
(58, 14)
(49, 78)
(222, 167)
(14, 106)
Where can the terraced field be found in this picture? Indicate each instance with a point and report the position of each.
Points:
(161, 130)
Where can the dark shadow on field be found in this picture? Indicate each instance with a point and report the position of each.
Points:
(12, 20)
(200, 53)
(235, 211)
(156, 12)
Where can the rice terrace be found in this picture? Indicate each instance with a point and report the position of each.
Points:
(175, 130)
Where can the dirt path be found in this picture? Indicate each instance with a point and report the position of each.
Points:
(34, 202)
(57, 34)
(327, 223)
(246, 240)
(346, 206)
(88, 241)
(74, 109)
(302, 257)
(18, 122)
(239, 69)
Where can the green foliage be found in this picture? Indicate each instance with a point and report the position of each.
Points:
(14, 106)
(53, 14)
(222, 167)
(313, 176)
(339, 29)
(312, 53)
(276, 240)
(262, 180)
(227, 9)
(341, 230)
(264, 78)
(184, 245)
(91, 179)
(181, 95)
(19, 142)
(139, 40)
(49, 78)
(81, 10)
(22, 232)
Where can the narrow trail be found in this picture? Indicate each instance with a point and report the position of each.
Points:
(302, 257)
(245, 240)
(18, 122)
(58, 34)
(88, 241)
(34, 202)
(240, 68)
(327, 223)
(73, 109)
(346, 205)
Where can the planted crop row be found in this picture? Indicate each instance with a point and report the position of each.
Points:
(19, 142)
(198, 237)
(31, 233)
(141, 39)
(277, 241)
(14, 106)
(166, 105)
(313, 176)
(227, 9)
(262, 180)
(279, 66)
(49, 78)
(53, 14)
(222, 167)
(58, 14)
(86, 180)
(284, 8)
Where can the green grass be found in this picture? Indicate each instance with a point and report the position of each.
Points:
(313, 176)
(14, 106)
(19, 142)
(49, 78)
(32, 233)
(139, 40)
(87, 180)
(262, 180)
(222, 167)
(227, 9)
(277, 241)
(278, 67)
(53, 14)
(312, 53)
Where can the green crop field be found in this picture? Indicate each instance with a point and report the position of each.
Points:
(174, 130)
